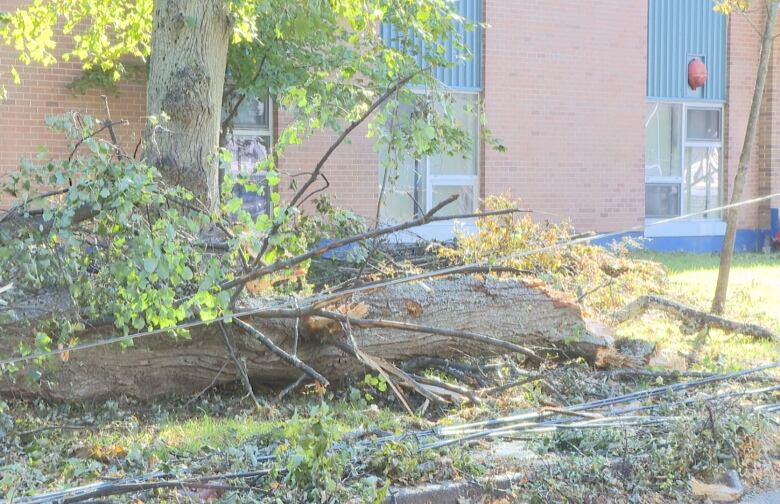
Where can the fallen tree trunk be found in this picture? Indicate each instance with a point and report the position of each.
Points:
(505, 309)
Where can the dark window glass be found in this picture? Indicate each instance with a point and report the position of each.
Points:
(662, 200)
(248, 151)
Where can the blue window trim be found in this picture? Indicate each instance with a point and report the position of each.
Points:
(747, 240)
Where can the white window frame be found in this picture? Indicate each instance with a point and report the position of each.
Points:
(695, 226)
(458, 180)
(443, 230)
(267, 131)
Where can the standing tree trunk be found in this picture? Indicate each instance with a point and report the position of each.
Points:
(184, 92)
(727, 253)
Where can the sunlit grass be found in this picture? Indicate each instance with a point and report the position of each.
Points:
(754, 296)
(207, 432)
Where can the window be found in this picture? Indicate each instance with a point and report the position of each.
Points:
(421, 184)
(683, 160)
(250, 142)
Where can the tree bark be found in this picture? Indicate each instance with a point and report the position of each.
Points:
(184, 93)
(732, 214)
(507, 309)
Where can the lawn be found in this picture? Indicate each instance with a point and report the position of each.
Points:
(754, 296)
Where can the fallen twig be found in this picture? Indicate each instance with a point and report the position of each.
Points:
(106, 489)
(213, 382)
(449, 365)
(289, 388)
(454, 369)
(699, 318)
(463, 391)
(649, 373)
(383, 368)
(503, 388)
(290, 359)
(54, 427)
(239, 365)
(587, 293)
(454, 333)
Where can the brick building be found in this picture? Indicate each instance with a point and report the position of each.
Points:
(593, 103)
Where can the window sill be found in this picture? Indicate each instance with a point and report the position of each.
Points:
(700, 227)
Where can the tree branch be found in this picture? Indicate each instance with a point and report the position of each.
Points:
(700, 318)
(290, 359)
(453, 333)
(425, 219)
(321, 163)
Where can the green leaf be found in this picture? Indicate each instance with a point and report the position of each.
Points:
(42, 340)
(186, 273)
(150, 264)
(233, 205)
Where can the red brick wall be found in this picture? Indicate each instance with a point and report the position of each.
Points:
(42, 94)
(565, 91)
(573, 122)
(743, 50)
(770, 167)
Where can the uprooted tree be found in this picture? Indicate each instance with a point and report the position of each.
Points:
(101, 243)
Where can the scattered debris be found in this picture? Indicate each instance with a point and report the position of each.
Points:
(644, 413)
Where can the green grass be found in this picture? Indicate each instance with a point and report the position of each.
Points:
(220, 433)
(754, 296)
(218, 430)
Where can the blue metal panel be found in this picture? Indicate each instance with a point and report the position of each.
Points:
(747, 240)
(678, 30)
(466, 74)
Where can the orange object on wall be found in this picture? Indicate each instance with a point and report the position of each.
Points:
(697, 73)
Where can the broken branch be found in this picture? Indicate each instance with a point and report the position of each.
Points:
(698, 317)
(290, 359)
(239, 365)
(405, 326)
